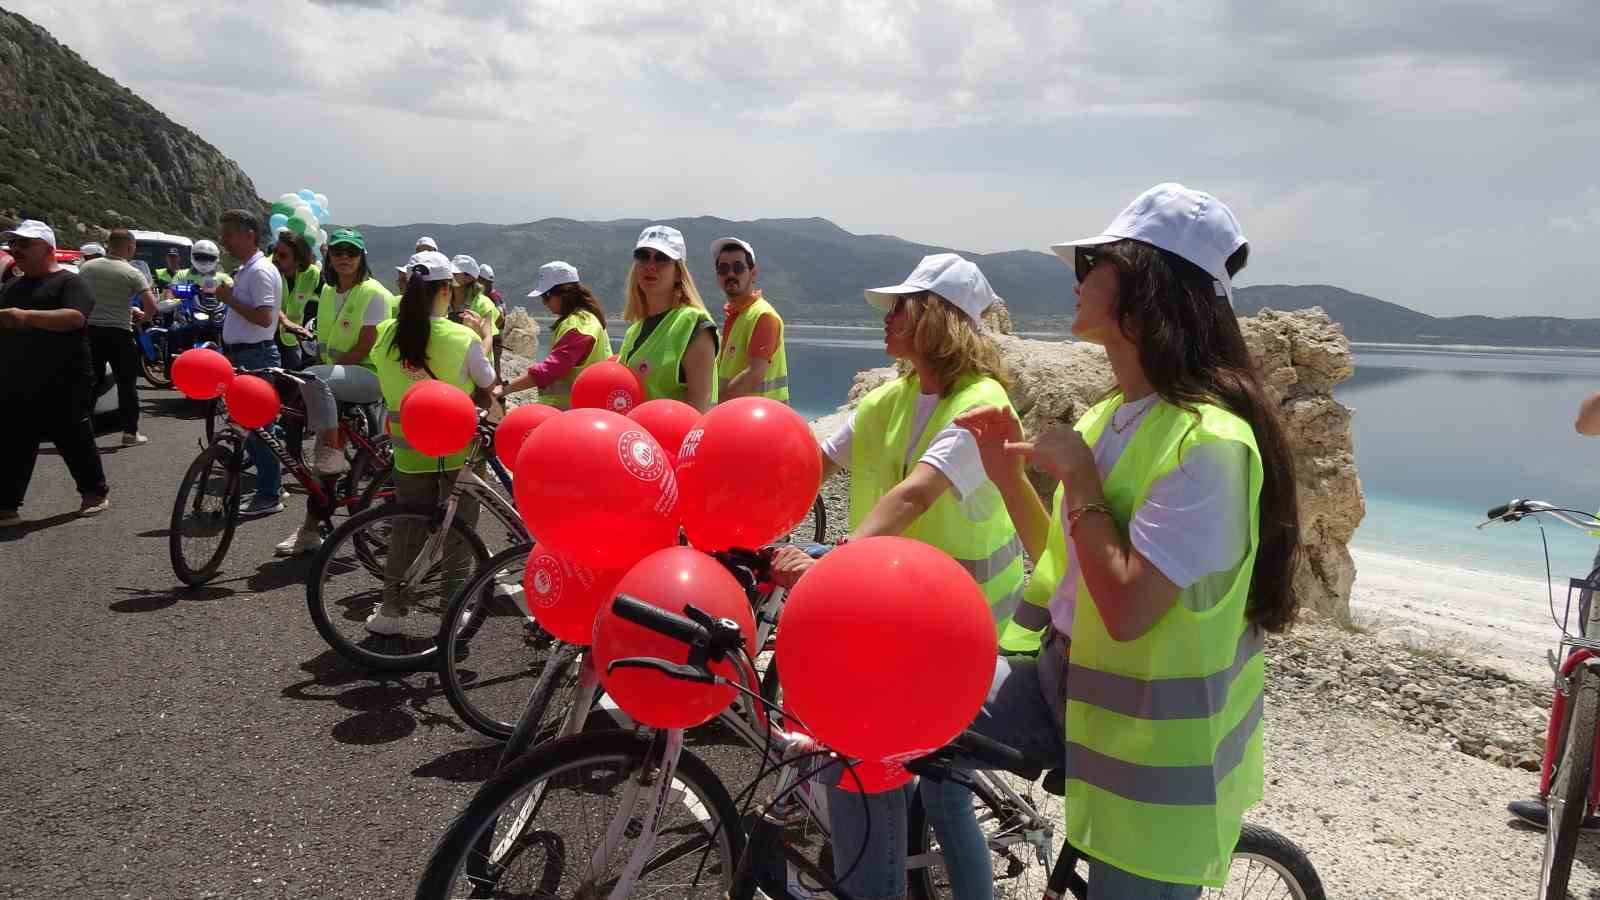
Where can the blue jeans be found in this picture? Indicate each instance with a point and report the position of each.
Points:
(269, 475)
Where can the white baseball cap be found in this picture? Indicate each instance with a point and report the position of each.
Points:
(552, 274)
(955, 279)
(665, 238)
(463, 265)
(486, 272)
(430, 265)
(719, 243)
(92, 249)
(33, 229)
(428, 242)
(1193, 224)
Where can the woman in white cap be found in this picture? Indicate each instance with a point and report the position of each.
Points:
(418, 344)
(467, 295)
(671, 342)
(913, 472)
(486, 286)
(578, 341)
(1166, 555)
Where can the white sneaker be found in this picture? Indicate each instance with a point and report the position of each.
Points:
(134, 439)
(301, 542)
(388, 626)
(330, 461)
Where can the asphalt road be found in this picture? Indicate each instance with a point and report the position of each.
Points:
(160, 741)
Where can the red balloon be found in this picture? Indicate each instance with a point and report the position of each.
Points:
(202, 373)
(563, 597)
(876, 776)
(597, 489)
(252, 402)
(438, 418)
(670, 579)
(515, 428)
(749, 472)
(607, 385)
(667, 421)
(887, 649)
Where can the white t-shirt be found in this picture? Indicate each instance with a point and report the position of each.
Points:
(953, 451)
(477, 366)
(375, 313)
(1194, 525)
(255, 285)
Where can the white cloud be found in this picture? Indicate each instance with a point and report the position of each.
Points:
(1385, 147)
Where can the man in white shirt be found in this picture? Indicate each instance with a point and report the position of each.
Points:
(248, 336)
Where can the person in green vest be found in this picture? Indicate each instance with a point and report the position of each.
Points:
(419, 344)
(752, 362)
(671, 342)
(1164, 558)
(204, 258)
(302, 278)
(578, 341)
(351, 304)
(468, 295)
(168, 274)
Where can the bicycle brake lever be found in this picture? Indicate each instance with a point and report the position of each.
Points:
(671, 670)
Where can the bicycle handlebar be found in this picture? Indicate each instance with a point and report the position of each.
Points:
(662, 622)
(1518, 509)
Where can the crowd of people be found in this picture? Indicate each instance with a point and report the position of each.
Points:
(1134, 652)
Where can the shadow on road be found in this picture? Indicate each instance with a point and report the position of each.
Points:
(22, 529)
(174, 406)
(388, 707)
(469, 765)
(142, 601)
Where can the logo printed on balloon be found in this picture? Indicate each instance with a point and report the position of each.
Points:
(691, 442)
(619, 401)
(639, 456)
(546, 581)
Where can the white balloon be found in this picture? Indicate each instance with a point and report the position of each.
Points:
(322, 200)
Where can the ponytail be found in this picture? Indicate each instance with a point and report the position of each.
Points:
(413, 324)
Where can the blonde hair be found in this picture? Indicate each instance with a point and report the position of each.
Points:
(950, 343)
(686, 293)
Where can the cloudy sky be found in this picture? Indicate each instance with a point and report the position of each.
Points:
(1438, 154)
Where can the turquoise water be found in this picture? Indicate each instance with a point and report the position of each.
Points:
(1441, 435)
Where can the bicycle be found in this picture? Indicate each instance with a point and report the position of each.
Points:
(350, 575)
(206, 511)
(1567, 785)
(672, 797)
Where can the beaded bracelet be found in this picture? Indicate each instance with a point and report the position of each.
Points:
(1077, 512)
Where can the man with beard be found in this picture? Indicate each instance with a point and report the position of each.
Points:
(752, 362)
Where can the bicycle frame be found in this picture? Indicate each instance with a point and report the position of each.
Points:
(467, 485)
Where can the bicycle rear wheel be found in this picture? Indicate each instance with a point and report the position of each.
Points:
(351, 576)
(564, 820)
(1268, 866)
(1569, 791)
(1016, 834)
(492, 652)
(813, 529)
(205, 514)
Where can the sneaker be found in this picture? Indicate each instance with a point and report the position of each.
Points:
(134, 439)
(261, 506)
(301, 542)
(94, 506)
(9, 517)
(1537, 814)
(330, 461)
(387, 626)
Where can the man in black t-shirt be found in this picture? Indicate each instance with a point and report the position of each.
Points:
(46, 391)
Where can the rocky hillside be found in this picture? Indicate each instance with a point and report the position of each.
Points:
(85, 153)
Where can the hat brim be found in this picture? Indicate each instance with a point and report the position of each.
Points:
(348, 243)
(664, 248)
(719, 243)
(884, 298)
(1068, 249)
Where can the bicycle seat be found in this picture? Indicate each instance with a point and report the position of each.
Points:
(1054, 782)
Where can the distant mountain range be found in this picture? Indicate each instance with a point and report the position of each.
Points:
(1369, 319)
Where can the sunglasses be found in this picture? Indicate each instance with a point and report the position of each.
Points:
(201, 257)
(22, 244)
(343, 250)
(646, 255)
(736, 268)
(1083, 262)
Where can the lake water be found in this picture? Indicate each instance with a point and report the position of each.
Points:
(1441, 436)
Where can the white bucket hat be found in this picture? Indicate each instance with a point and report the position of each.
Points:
(1193, 224)
(552, 274)
(955, 279)
(665, 238)
(434, 266)
(464, 265)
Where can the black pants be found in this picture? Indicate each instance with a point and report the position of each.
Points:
(58, 413)
(117, 348)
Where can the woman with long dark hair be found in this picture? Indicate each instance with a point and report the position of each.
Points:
(1165, 557)
(418, 344)
(578, 340)
(302, 277)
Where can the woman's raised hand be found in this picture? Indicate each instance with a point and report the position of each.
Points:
(999, 437)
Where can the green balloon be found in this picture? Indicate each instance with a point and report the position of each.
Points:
(283, 209)
(299, 225)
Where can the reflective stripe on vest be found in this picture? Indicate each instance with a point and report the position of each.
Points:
(559, 392)
(337, 333)
(989, 550)
(658, 360)
(735, 355)
(448, 345)
(1164, 730)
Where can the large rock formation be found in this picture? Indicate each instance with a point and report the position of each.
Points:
(86, 154)
(1301, 356)
(521, 333)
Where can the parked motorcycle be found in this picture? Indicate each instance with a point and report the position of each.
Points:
(190, 317)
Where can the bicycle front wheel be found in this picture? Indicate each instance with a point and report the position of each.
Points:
(1569, 791)
(205, 514)
(565, 820)
(1022, 833)
(402, 553)
(1267, 866)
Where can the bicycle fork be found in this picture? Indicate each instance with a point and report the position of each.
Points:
(1565, 677)
(628, 822)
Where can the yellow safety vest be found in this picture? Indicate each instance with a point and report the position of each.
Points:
(1163, 731)
(735, 355)
(657, 361)
(447, 356)
(559, 392)
(338, 333)
(295, 298)
(990, 550)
